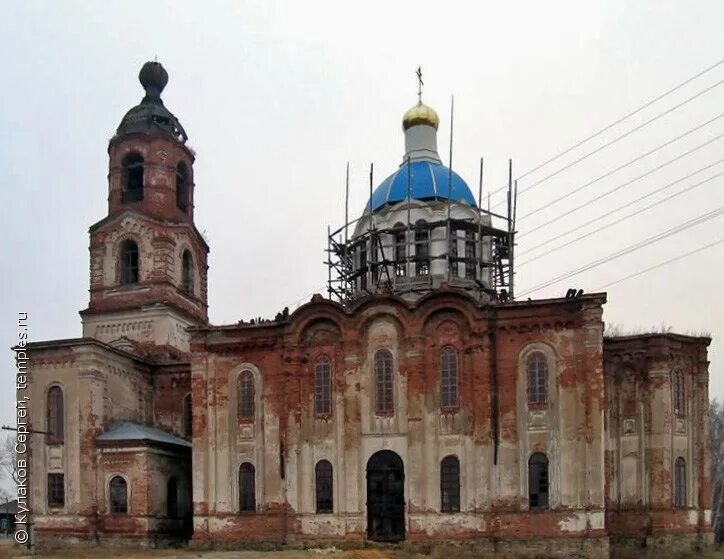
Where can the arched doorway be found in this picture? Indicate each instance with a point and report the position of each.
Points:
(385, 497)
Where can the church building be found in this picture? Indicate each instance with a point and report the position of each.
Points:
(419, 402)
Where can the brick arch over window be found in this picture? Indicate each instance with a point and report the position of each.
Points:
(384, 382)
(55, 415)
(323, 386)
(132, 177)
(118, 495)
(449, 378)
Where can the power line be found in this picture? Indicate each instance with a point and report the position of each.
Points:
(598, 218)
(609, 173)
(619, 187)
(620, 120)
(629, 249)
(625, 134)
(661, 264)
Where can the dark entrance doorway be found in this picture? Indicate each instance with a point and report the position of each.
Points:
(385, 497)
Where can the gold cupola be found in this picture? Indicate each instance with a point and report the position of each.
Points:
(420, 114)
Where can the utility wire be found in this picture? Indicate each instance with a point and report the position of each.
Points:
(619, 121)
(621, 207)
(619, 187)
(619, 220)
(661, 264)
(609, 173)
(629, 249)
(625, 134)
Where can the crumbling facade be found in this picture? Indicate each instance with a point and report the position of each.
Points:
(428, 409)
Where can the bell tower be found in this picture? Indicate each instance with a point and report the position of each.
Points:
(148, 261)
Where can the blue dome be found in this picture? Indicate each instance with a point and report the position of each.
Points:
(429, 181)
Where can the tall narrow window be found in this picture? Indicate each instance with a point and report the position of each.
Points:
(538, 481)
(247, 488)
(172, 498)
(56, 418)
(118, 495)
(422, 248)
(470, 256)
(363, 266)
(187, 272)
(537, 378)
(679, 393)
(132, 178)
(188, 416)
(449, 379)
(384, 400)
(450, 484)
(323, 487)
(323, 386)
(246, 396)
(182, 187)
(56, 490)
(680, 482)
(454, 263)
(374, 263)
(129, 262)
(400, 251)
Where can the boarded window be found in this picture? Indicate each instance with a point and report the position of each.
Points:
(422, 248)
(56, 490)
(247, 488)
(187, 272)
(449, 380)
(680, 482)
(537, 378)
(182, 187)
(384, 400)
(538, 481)
(56, 418)
(246, 396)
(172, 498)
(129, 262)
(119, 495)
(470, 255)
(400, 251)
(188, 416)
(679, 393)
(132, 188)
(323, 386)
(450, 484)
(324, 487)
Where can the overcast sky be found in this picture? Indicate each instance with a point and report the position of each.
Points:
(277, 97)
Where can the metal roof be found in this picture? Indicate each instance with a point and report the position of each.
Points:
(130, 431)
(428, 181)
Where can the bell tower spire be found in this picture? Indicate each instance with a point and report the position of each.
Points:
(148, 260)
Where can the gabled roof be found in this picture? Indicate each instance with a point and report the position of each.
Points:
(130, 431)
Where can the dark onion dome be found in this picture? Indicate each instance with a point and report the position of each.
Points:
(151, 116)
(428, 181)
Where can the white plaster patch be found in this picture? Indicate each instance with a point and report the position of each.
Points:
(574, 523)
(693, 517)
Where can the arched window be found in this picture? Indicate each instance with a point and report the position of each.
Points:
(323, 487)
(246, 396)
(422, 248)
(537, 378)
(384, 400)
(118, 495)
(680, 482)
(538, 481)
(400, 250)
(450, 484)
(247, 488)
(188, 416)
(132, 178)
(323, 386)
(56, 422)
(470, 255)
(172, 498)
(182, 187)
(129, 262)
(449, 380)
(679, 393)
(187, 272)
